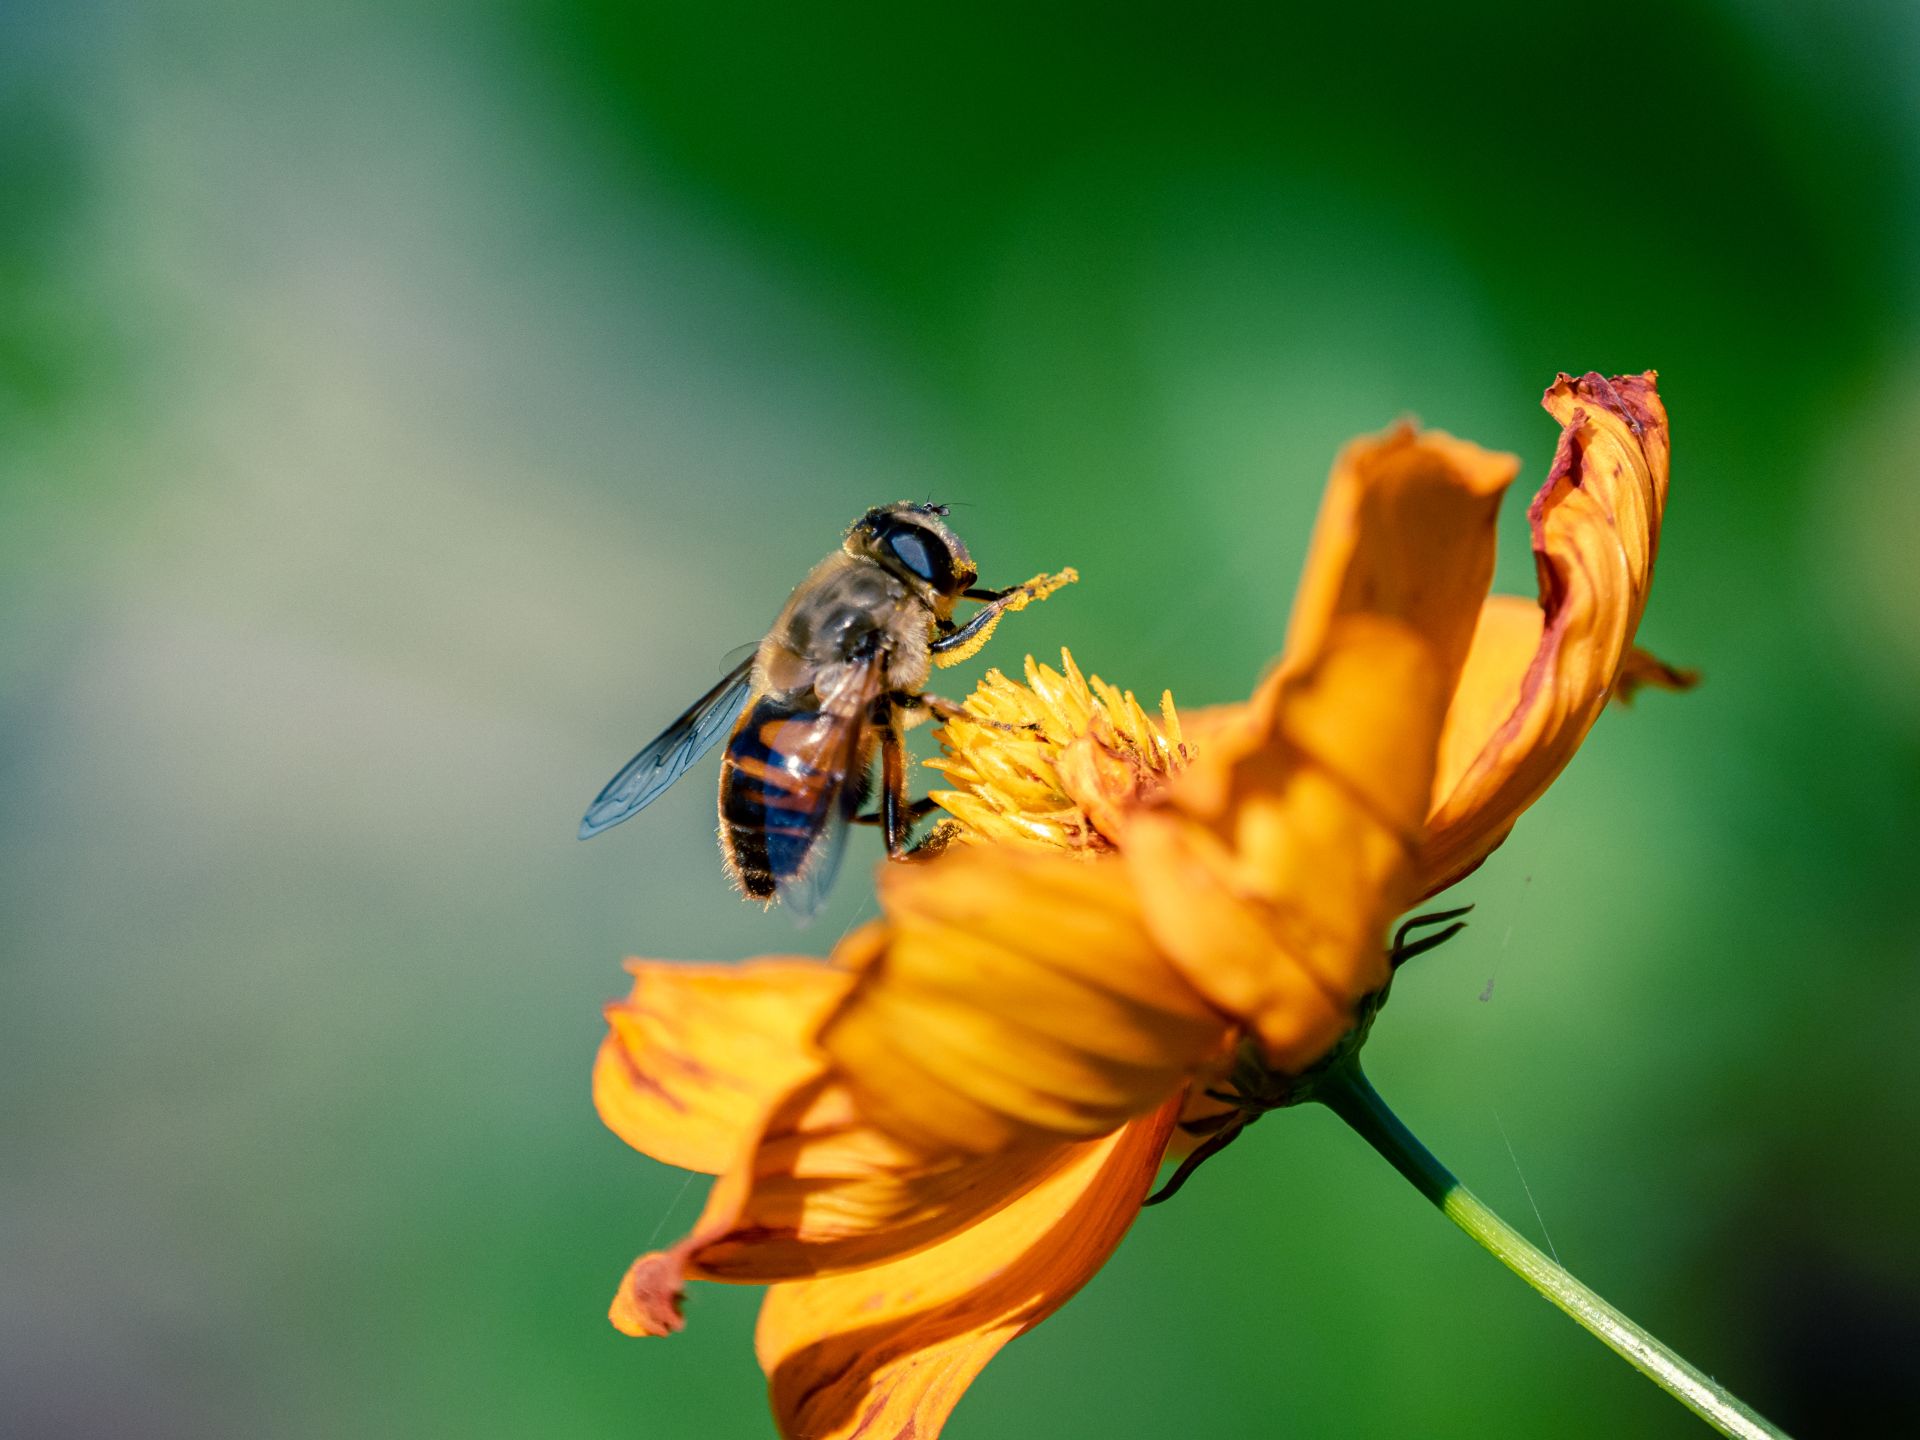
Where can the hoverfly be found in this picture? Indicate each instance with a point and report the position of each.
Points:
(841, 673)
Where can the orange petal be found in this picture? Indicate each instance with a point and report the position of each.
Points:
(1505, 640)
(888, 1351)
(695, 1055)
(1203, 727)
(1294, 969)
(1524, 708)
(1404, 535)
(1289, 843)
(822, 1189)
(1018, 997)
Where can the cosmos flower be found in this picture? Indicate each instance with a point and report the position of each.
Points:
(928, 1143)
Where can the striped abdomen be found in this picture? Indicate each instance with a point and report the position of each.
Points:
(787, 767)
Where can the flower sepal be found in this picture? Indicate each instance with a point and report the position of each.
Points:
(1218, 1115)
(1253, 1087)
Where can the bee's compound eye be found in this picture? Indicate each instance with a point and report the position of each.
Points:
(910, 547)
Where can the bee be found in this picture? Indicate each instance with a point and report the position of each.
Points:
(840, 675)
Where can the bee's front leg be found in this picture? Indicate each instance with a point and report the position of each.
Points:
(954, 644)
(961, 642)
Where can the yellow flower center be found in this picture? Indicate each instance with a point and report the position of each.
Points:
(1053, 764)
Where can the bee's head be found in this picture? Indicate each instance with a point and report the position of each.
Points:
(913, 541)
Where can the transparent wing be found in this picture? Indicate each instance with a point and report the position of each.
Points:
(806, 892)
(642, 779)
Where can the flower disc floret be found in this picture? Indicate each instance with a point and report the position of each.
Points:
(1053, 764)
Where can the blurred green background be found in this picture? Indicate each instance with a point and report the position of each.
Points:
(403, 408)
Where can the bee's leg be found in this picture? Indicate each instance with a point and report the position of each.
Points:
(893, 787)
(957, 644)
(952, 645)
(916, 810)
(945, 709)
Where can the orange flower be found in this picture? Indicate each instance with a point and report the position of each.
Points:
(926, 1145)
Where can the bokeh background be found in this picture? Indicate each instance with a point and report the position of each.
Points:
(403, 408)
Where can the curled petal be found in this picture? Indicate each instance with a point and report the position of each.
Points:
(1289, 843)
(1533, 687)
(1018, 998)
(696, 1053)
(889, 1351)
(648, 1300)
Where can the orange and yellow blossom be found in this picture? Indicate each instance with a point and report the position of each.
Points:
(927, 1144)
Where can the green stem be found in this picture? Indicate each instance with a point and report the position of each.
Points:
(1345, 1091)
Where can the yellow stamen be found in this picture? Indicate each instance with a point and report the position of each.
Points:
(1053, 764)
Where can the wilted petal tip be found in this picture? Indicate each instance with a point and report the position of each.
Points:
(649, 1301)
(1540, 672)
